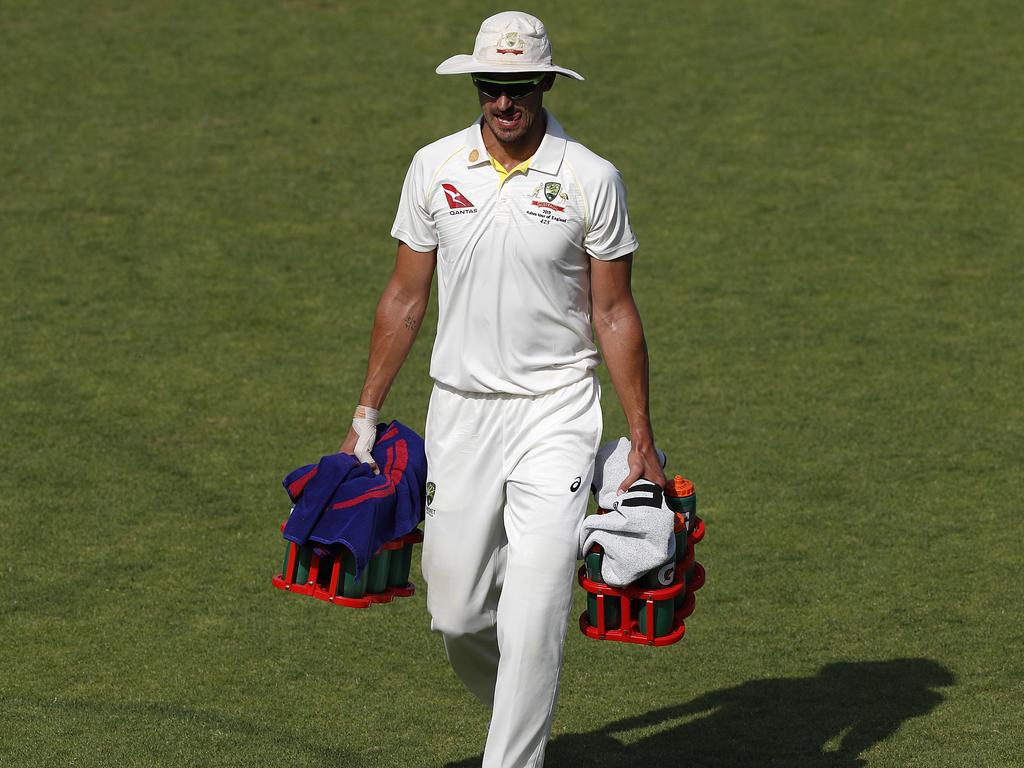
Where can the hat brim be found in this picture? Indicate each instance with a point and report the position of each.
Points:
(465, 64)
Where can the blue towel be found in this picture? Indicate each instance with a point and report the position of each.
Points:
(341, 501)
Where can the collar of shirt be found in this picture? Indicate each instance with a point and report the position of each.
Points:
(547, 159)
(504, 172)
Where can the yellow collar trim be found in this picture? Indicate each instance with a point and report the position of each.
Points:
(523, 167)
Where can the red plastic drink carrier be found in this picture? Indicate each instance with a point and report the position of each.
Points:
(637, 606)
(325, 576)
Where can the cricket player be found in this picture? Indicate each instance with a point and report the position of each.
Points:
(528, 233)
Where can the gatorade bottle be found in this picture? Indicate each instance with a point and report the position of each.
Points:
(664, 612)
(377, 572)
(612, 611)
(593, 560)
(612, 605)
(284, 568)
(401, 564)
(349, 586)
(658, 578)
(682, 542)
(682, 498)
(303, 560)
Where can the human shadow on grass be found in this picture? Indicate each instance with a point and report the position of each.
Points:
(824, 721)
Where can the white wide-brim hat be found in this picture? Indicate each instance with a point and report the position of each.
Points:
(511, 41)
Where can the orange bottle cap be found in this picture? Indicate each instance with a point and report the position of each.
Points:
(679, 487)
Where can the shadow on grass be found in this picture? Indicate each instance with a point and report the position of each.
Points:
(826, 720)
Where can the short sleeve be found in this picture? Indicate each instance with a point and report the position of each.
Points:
(609, 234)
(414, 225)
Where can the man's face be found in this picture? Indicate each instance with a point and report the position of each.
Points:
(511, 120)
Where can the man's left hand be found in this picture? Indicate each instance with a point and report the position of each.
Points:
(643, 462)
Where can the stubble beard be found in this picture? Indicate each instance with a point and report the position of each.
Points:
(513, 136)
(510, 135)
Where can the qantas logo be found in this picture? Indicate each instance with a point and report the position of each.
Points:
(455, 198)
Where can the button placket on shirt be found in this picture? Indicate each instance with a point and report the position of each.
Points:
(503, 211)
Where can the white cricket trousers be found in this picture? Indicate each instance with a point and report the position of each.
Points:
(511, 476)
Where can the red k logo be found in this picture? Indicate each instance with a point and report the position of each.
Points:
(455, 198)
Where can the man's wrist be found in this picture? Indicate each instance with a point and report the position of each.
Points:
(642, 438)
(366, 413)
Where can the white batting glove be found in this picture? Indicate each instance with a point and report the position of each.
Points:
(364, 422)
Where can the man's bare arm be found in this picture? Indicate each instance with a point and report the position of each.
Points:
(621, 335)
(398, 318)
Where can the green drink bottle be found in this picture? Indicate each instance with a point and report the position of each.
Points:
(401, 564)
(612, 611)
(682, 543)
(660, 577)
(284, 568)
(377, 572)
(664, 612)
(682, 498)
(593, 560)
(303, 560)
(612, 604)
(349, 586)
(657, 578)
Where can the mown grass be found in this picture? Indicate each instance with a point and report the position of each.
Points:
(195, 201)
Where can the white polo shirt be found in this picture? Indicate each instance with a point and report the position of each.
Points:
(513, 258)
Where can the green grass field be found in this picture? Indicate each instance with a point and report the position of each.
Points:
(195, 200)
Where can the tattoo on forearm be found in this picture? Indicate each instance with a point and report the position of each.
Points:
(410, 323)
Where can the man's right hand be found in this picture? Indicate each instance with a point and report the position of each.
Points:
(361, 436)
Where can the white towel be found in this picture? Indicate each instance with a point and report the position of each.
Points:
(637, 533)
(611, 468)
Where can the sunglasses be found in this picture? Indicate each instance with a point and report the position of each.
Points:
(514, 89)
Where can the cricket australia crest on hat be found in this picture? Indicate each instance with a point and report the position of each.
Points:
(509, 43)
